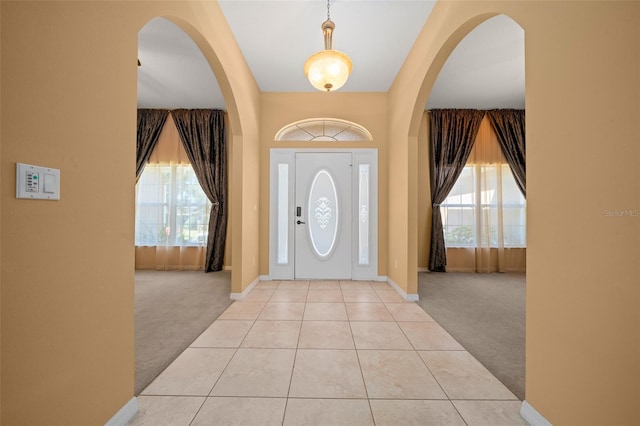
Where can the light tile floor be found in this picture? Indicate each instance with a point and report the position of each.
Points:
(326, 353)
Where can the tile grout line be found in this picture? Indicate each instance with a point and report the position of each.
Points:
(234, 354)
(198, 410)
(226, 365)
(434, 376)
(429, 370)
(427, 366)
(295, 357)
(236, 351)
(349, 320)
(458, 411)
(364, 383)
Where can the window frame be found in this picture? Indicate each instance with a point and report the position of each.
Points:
(444, 206)
(172, 208)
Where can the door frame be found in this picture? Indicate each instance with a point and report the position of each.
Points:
(337, 168)
(282, 167)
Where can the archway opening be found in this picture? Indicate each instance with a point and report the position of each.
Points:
(175, 300)
(484, 213)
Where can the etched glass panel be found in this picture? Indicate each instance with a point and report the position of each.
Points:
(323, 214)
(283, 214)
(294, 134)
(332, 128)
(323, 139)
(351, 134)
(363, 215)
(314, 128)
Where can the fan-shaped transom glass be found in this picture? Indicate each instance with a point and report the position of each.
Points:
(323, 130)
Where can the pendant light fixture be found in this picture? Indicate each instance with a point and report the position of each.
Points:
(328, 69)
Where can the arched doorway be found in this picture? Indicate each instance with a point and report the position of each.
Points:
(480, 71)
(175, 299)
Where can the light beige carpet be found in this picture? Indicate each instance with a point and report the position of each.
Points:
(485, 313)
(171, 310)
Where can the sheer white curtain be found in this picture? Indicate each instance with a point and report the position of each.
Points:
(485, 211)
(172, 211)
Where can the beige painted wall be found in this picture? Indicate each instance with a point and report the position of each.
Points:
(366, 109)
(68, 79)
(67, 316)
(583, 154)
(424, 195)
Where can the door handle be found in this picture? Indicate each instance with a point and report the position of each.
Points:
(300, 222)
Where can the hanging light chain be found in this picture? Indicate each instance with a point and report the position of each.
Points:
(327, 29)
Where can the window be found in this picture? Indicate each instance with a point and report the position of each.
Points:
(484, 206)
(171, 208)
(323, 130)
(458, 211)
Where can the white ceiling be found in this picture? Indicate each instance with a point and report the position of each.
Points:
(485, 71)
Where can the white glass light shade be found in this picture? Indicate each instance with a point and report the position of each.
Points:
(328, 70)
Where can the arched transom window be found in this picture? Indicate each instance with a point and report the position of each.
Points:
(323, 130)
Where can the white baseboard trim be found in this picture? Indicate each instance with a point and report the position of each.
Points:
(125, 414)
(401, 292)
(412, 298)
(379, 278)
(240, 296)
(227, 268)
(532, 416)
(423, 269)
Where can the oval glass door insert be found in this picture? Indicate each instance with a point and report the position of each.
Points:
(323, 214)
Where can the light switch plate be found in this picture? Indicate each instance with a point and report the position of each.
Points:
(37, 183)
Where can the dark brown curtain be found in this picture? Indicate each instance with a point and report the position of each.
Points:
(150, 124)
(202, 132)
(453, 132)
(509, 126)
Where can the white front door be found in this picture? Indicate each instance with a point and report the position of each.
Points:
(323, 215)
(335, 193)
